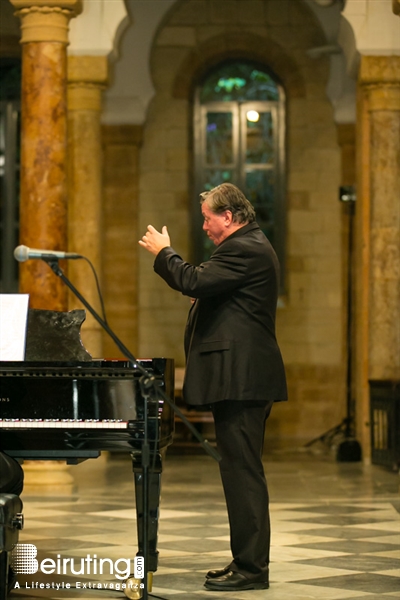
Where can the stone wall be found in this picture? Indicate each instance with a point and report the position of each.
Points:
(196, 35)
(120, 248)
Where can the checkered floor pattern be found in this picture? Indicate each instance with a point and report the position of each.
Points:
(336, 530)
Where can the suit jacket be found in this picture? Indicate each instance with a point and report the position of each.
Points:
(230, 344)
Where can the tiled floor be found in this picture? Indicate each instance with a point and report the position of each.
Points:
(336, 529)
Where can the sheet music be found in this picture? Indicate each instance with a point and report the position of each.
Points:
(13, 321)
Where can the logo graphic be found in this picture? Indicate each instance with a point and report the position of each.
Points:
(23, 559)
(139, 567)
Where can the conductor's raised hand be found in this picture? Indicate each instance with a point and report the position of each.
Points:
(154, 240)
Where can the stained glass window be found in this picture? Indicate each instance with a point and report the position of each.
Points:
(240, 82)
(239, 137)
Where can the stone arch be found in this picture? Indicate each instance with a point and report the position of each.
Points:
(211, 32)
(239, 46)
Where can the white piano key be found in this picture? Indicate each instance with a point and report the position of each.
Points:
(62, 424)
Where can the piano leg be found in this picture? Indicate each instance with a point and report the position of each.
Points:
(3, 575)
(154, 503)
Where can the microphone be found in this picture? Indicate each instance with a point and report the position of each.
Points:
(23, 253)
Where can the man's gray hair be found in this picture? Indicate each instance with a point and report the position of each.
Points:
(228, 197)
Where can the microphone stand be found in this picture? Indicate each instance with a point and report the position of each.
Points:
(148, 386)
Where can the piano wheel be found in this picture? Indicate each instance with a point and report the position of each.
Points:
(133, 591)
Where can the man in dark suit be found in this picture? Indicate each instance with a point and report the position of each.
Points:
(233, 363)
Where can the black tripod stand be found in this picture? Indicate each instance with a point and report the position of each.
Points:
(348, 449)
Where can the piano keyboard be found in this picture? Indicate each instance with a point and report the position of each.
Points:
(62, 424)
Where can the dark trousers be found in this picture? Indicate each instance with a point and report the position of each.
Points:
(239, 428)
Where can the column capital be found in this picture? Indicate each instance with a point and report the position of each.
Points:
(87, 78)
(75, 6)
(46, 20)
(380, 70)
(90, 69)
(380, 77)
(384, 97)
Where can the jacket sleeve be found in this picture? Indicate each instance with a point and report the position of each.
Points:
(224, 271)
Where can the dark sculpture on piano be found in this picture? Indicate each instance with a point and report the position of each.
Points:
(61, 404)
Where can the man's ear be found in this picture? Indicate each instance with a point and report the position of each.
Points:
(228, 217)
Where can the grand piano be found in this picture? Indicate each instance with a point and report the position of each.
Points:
(61, 404)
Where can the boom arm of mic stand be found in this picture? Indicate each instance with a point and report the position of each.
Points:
(53, 264)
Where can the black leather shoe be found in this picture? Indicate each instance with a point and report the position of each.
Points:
(233, 581)
(218, 572)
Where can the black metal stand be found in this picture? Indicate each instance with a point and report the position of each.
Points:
(349, 449)
(148, 387)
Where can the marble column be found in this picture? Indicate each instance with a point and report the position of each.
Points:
(87, 77)
(43, 194)
(378, 207)
(382, 78)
